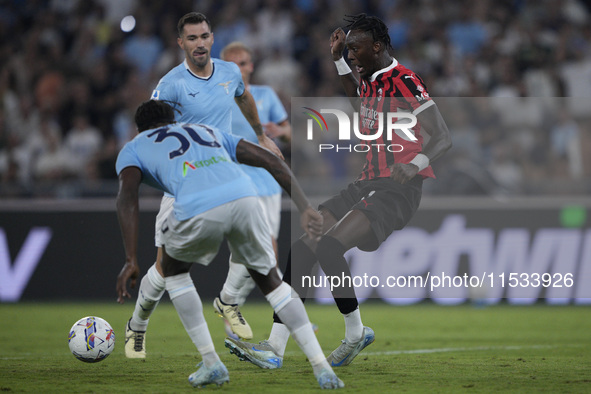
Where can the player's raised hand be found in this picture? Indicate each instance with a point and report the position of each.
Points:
(130, 271)
(337, 43)
(312, 221)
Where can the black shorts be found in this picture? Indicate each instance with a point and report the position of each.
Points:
(387, 204)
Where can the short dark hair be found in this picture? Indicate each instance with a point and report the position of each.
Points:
(153, 113)
(192, 18)
(370, 24)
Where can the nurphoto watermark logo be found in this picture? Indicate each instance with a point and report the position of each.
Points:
(375, 124)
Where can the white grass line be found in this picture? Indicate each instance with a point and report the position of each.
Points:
(445, 350)
(456, 349)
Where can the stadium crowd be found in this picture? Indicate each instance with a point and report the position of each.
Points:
(519, 72)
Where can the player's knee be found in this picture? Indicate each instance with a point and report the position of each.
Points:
(178, 285)
(155, 277)
(279, 297)
(172, 267)
(266, 283)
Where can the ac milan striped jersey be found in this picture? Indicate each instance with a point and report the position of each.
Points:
(392, 89)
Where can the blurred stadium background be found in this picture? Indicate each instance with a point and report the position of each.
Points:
(73, 72)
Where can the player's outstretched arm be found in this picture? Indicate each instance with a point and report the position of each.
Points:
(253, 155)
(128, 215)
(337, 46)
(249, 110)
(433, 124)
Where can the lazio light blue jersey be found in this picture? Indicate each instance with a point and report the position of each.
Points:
(194, 163)
(270, 109)
(202, 100)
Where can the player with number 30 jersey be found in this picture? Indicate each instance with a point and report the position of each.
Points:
(217, 179)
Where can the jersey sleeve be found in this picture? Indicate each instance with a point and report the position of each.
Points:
(165, 90)
(127, 158)
(240, 88)
(277, 113)
(229, 142)
(415, 92)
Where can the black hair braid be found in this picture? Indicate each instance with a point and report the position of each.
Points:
(152, 113)
(371, 24)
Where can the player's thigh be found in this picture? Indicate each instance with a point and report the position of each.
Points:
(171, 266)
(272, 212)
(197, 239)
(329, 219)
(336, 207)
(165, 210)
(354, 229)
(385, 206)
(341, 221)
(249, 237)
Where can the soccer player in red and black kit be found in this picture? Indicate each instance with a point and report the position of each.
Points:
(386, 194)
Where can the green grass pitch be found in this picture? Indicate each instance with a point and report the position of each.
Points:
(421, 348)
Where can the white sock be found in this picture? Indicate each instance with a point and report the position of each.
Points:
(237, 278)
(202, 339)
(292, 313)
(306, 339)
(150, 292)
(245, 291)
(279, 337)
(353, 326)
(188, 305)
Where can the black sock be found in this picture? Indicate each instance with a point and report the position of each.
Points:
(331, 256)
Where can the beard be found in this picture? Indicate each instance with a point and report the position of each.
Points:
(200, 61)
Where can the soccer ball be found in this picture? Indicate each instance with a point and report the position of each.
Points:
(91, 339)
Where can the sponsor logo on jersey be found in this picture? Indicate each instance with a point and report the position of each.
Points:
(202, 163)
(423, 96)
